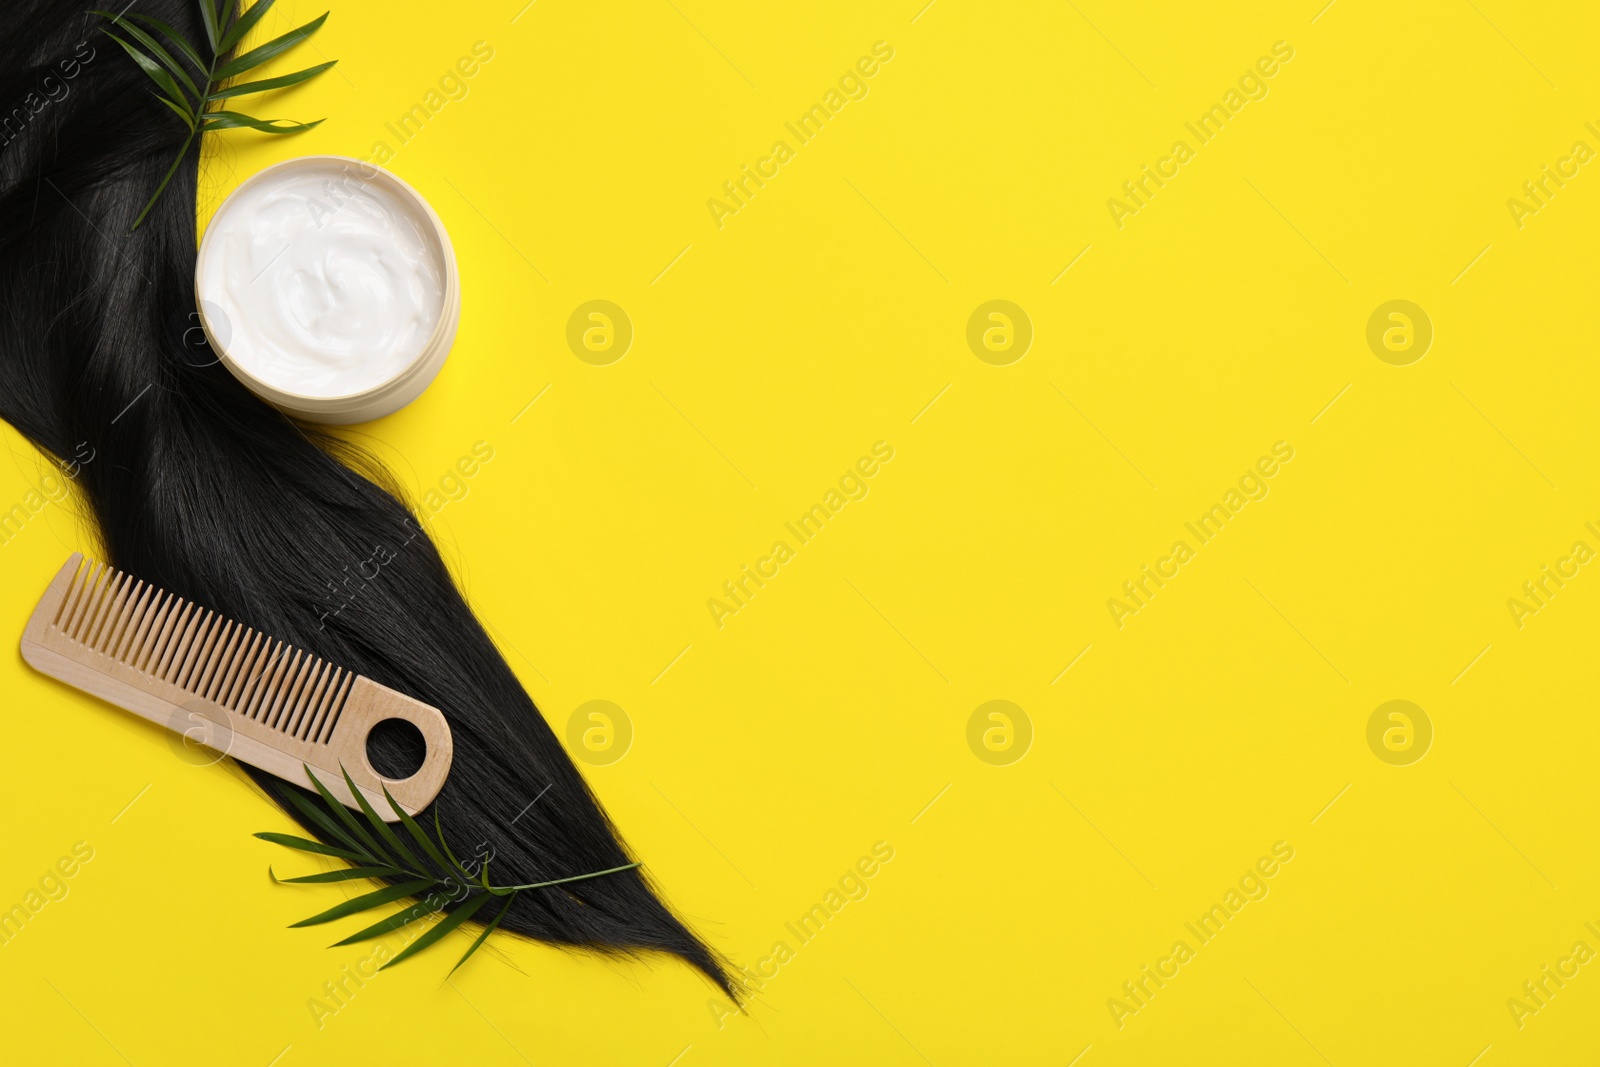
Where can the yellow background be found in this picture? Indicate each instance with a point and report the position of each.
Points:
(824, 717)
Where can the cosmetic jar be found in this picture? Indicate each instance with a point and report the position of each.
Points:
(329, 287)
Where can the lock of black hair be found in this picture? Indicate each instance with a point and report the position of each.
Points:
(201, 489)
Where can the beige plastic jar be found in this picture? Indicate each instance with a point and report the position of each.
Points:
(329, 287)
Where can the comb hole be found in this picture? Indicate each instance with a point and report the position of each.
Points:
(396, 749)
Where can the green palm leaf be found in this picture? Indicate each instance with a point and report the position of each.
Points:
(455, 864)
(439, 930)
(483, 936)
(290, 841)
(320, 817)
(165, 178)
(280, 82)
(343, 874)
(208, 16)
(275, 47)
(416, 832)
(245, 23)
(561, 881)
(180, 111)
(390, 838)
(225, 28)
(394, 922)
(154, 48)
(349, 820)
(468, 895)
(232, 120)
(173, 36)
(375, 899)
(156, 72)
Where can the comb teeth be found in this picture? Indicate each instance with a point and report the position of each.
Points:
(291, 714)
(202, 653)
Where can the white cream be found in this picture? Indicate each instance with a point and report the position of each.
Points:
(328, 285)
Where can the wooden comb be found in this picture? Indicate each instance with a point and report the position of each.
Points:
(273, 706)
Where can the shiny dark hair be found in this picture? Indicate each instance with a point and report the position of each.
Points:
(203, 490)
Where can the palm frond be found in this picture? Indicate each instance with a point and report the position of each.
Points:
(376, 851)
(191, 95)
